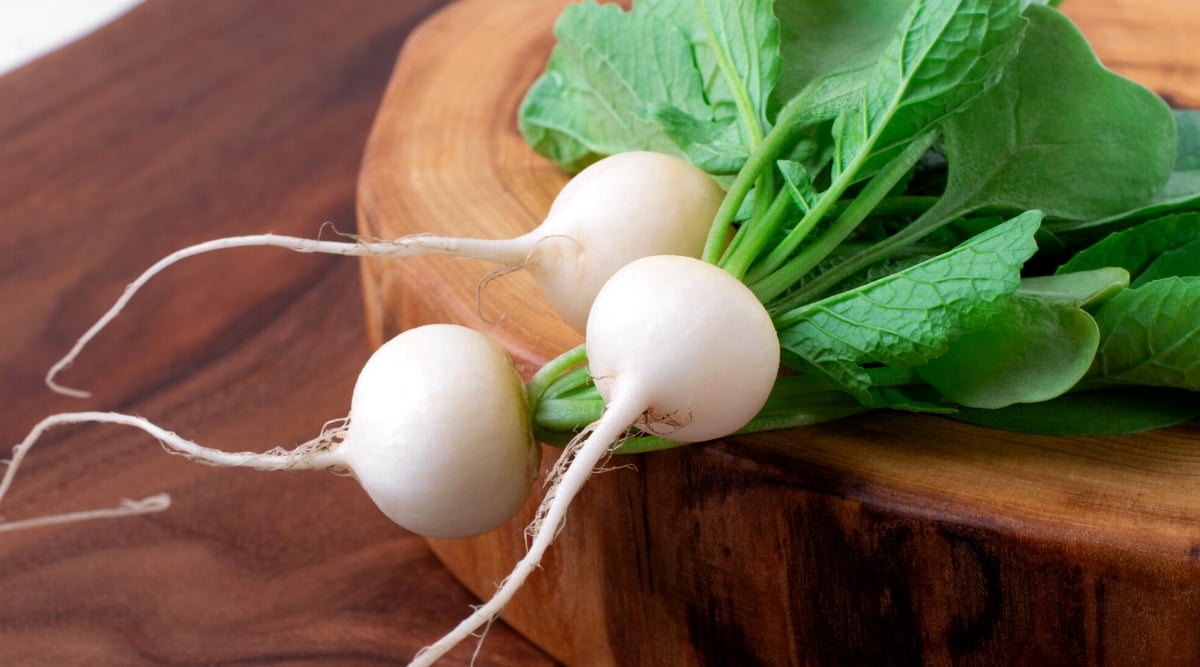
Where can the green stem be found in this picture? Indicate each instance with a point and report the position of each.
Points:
(736, 82)
(741, 186)
(782, 135)
(757, 235)
(782, 278)
(820, 408)
(552, 371)
(822, 209)
(933, 218)
(568, 383)
(568, 414)
(800, 400)
(905, 205)
(918, 204)
(795, 400)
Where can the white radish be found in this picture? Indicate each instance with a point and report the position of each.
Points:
(620, 208)
(439, 433)
(438, 436)
(677, 347)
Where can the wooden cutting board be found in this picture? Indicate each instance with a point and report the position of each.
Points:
(884, 539)
(178, 123)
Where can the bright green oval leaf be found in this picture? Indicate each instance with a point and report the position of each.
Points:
(1030, 350)
(820, 37)
(1076, 288)
(1181, 192)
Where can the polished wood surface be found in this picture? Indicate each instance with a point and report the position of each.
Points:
(182, 122)
(887, 539)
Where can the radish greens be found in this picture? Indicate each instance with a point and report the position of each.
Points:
(905, 179)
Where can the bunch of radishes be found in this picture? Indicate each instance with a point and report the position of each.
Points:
(676, 347)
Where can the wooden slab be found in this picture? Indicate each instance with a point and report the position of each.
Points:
(886, 539)
(182, 122)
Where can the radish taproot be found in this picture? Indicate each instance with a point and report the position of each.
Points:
(438, 436)
(678, 348)
(620, 208)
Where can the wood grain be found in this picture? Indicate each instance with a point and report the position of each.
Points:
(182, 122)
(888, 539)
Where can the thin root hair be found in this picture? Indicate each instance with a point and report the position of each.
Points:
(487, 280)
(654, 423)
(329, 226)
(563, 464)
(507, 269)
(126, 508)
(312, 455)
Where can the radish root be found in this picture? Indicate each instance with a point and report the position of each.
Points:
(312, 455)
(507, 251)
(148, 505)
(551, 516)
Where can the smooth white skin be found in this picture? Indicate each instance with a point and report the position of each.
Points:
(684, 348)
(708, 356)
(622, 207)
(439, 433)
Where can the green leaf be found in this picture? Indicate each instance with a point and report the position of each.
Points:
(1060, 133)
(798, 183)
(1181, 192)
(714, 146)
(912, 398)
(1167, 246)
(615, 78)
(1150, 335)
(909, 317)
(1031, 350)
(822, 37)
(736, 49)
(1076, 288)
(1109, 412)
(1181, 261)
(825, 98)
(798, 400)
(589, 101)
(944, 54)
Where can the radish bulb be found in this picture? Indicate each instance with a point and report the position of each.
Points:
(439, 434)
